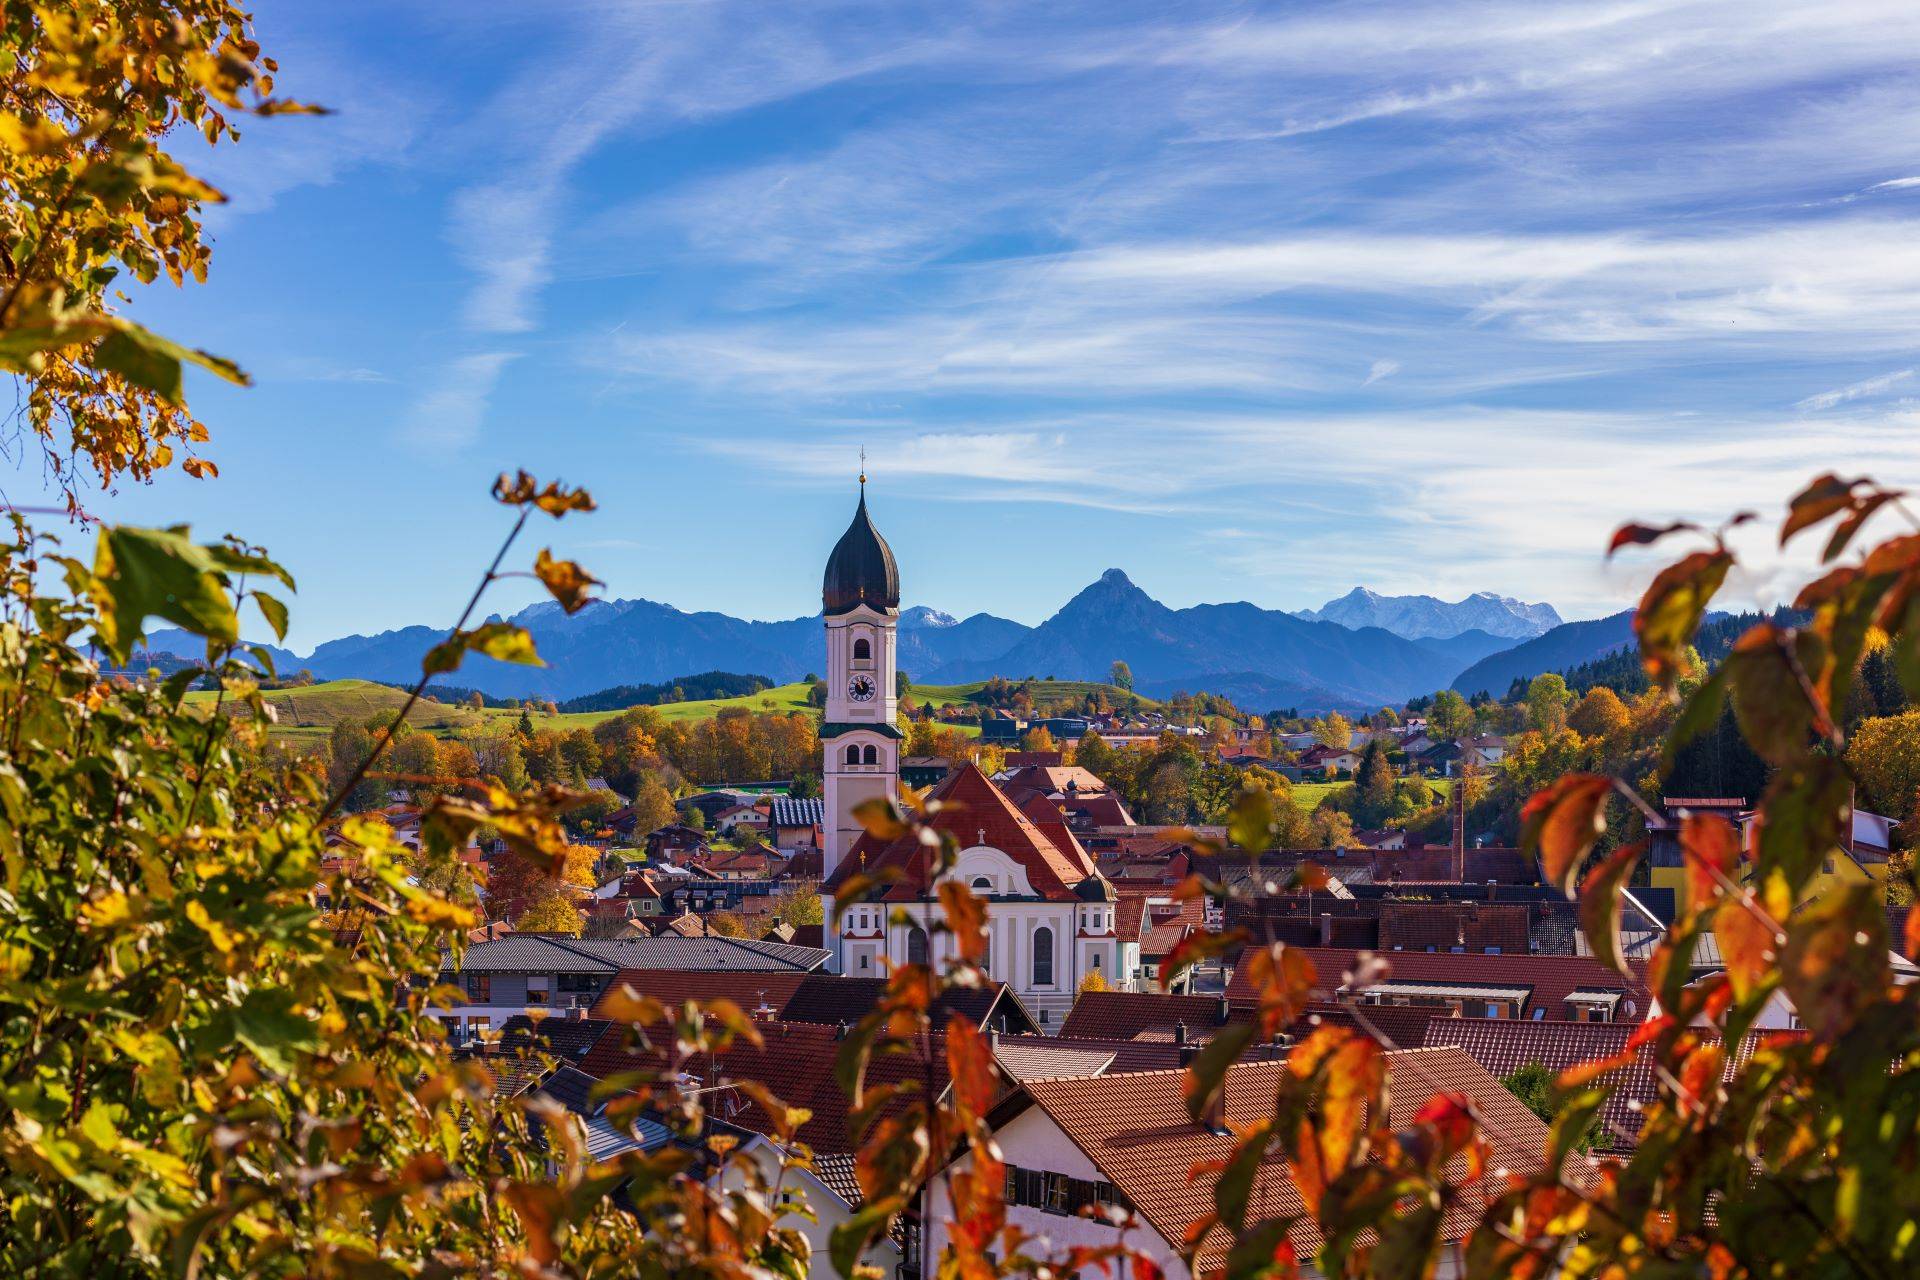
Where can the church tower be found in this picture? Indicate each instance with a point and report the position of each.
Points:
(861, 600)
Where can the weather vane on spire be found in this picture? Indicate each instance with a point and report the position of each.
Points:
(863, 464)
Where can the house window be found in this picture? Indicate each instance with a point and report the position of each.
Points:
(1043, 957)
(862, 651)
(863, 962)
(537, 989)
(480, 987)
(869, 756)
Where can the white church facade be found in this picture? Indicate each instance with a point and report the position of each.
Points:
(1050, 913)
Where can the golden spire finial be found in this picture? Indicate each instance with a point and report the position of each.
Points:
(863, 466)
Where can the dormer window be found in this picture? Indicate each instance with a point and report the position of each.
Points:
(982, 885)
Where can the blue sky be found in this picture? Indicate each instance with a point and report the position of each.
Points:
(1254, 302)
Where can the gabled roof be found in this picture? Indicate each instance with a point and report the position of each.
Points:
(1122, 1015)
(561, 1037)
(974, 811)
(1047, 1058)
(1503, 1046)
(1136, 1131)
(795, 1062)
(789, 812)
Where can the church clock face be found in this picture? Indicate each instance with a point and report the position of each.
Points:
(861, 688)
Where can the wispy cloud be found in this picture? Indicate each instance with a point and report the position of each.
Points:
(1380, 369)
(1521, 500)
(1855, 391)
(450, 411)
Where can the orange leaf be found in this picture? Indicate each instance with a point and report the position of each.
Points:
(1562, 823)
(1671, 610)
(1746, 945)
(1710, 850)
(970, 1061)
(967, 919)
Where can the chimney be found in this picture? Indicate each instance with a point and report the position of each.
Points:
(1180, 1033)
(1222, 1011)
(1188, 1052)
(1326, 928)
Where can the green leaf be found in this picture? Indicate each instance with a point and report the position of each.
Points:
(1234, 1187)
(1573, 1123)
(501, 641)
(142, 573)
(1803, 806)
(849, 1241)
(1208, 1074)
(268, 1023)
(1835, 961)
(1251, 825)
(148, 360)
(274, 610)
(1600, 905)
(1260, 1249)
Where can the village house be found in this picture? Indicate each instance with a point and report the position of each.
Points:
(1080, 1146)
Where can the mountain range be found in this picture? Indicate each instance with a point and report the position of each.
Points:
(1261, 658)
(1429, 617)
(1567, 645)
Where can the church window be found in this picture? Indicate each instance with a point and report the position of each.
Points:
(869, 756)
(853, 755)
(982, 885)
(1043, 957)
(862, 651)
(916, 945)
(863, 962)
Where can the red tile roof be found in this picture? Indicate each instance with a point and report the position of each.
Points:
(1474, 925)
(795, 1063)
(974, 811)
(1503, 1047)
(1551, 978)
(1122, 1015)
(1136, 1130)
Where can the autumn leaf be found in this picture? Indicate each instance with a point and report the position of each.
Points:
(501, 641)
(1835, 962)
(1562, 823)
(966, 920)
(1671, 610)
(1747, 944)
(1600, 905)
(1710, 852)
(1827, 496)
(1629, 535)
(566, 581)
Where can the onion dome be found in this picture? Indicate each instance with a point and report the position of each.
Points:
(861, 570)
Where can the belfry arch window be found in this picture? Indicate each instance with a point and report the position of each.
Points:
(862, 651)
(869, 756)
(853, 754)
(1043, 956)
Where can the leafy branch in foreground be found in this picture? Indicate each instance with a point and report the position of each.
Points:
(500, 641)
(202, 1073)
(92, 89)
